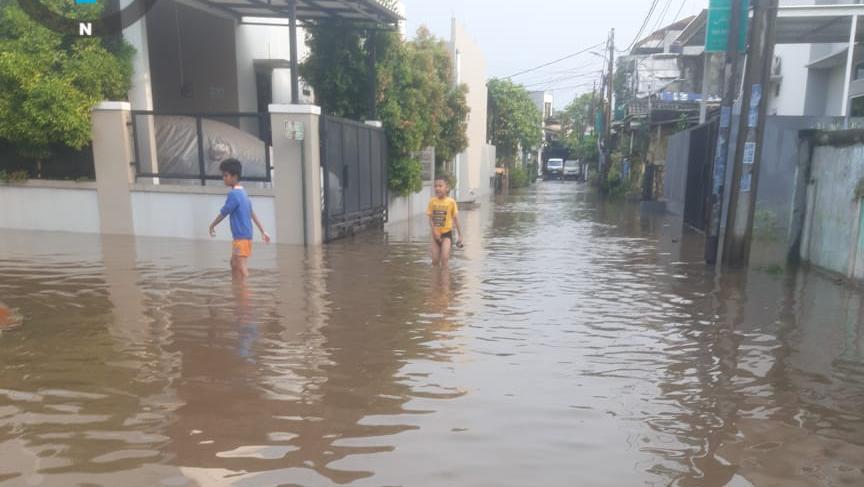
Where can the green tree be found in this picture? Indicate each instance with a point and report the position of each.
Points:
(338, 69)
(49, 83)
(417, 99)
(576, 119)
(514, 121)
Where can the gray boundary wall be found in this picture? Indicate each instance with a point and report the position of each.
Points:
(829, 198)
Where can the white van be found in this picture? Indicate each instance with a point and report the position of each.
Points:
(555, 169)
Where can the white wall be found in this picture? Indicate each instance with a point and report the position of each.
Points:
(834, 104)
(793, 88)
(49, 207)
(471, 70)
(265, 42)
(487, 171)
(188, 215)
(404, 208)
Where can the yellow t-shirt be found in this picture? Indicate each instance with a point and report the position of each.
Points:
(442, 212)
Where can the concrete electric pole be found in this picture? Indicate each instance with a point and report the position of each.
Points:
(735, 247)
(721, 154)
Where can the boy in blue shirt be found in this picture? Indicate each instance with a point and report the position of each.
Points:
(238, 207)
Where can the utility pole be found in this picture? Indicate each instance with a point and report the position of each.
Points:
(607, 135)
(593, 124)
(735, 247)
(721, 154)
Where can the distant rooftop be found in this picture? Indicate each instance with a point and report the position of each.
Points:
(654, 42)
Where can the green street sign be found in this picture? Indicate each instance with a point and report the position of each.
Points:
(719, 22)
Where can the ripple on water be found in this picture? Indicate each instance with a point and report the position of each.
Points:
(565, 335)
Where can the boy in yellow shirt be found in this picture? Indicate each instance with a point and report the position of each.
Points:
(443, 216)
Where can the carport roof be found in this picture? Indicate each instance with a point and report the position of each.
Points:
(364, 11)
(805, 24)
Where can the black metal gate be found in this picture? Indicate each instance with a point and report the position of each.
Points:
(703, 140)
(354, 167)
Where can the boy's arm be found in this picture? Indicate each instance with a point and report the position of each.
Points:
(230, 205)
(458, 227)
(264, 234)
(217, 221)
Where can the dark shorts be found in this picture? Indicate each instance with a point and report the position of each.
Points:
(447, 235)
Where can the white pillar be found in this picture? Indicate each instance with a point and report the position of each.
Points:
(141, 94)
(849, 58)
(297, 173)
(112, 152)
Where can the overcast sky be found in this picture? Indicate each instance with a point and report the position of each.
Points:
(517, 34)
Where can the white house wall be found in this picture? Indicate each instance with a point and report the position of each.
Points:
(793, 87)
(470, 64)
(265, 42)
(834, 105)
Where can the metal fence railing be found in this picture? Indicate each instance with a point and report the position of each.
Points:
(190, 146)
(354, 166)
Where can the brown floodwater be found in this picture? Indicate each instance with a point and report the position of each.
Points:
(572, 342)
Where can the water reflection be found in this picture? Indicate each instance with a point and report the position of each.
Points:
(570, 339)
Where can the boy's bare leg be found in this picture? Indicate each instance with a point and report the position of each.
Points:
(243, 266)
(239, 271)
(446, 243)
(234, 267)
(435, 250)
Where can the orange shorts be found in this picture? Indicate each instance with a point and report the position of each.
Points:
(241, 248)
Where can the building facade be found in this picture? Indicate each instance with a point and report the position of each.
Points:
(473, 168)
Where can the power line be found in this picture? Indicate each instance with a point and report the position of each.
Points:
(564, 78)
(535, 68)
(659, 23)
(641, 29)
(542, 77)
(680, 9)
(572, 87)
(577, 69)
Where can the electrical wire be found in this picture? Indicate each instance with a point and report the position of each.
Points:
(659, 24)
(641, 29)
(564, 78)
(572, 87)
(542, 77)
(680, 9)
(535, 68)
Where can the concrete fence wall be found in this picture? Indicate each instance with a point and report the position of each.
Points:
(50, 205)
(118, 203)
(832, 236)
(404, 208)
(154, 211)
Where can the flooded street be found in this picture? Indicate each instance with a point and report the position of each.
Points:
(573, 342)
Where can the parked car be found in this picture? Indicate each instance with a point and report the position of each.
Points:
(555, 169)
(571, 169)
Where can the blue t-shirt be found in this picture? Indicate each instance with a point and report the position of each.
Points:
(239, 207)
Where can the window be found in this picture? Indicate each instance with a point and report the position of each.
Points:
(859, 71)
(547, 110)
(857, 107)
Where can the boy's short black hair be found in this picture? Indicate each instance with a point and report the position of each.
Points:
(232, 167)
(442, 177)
